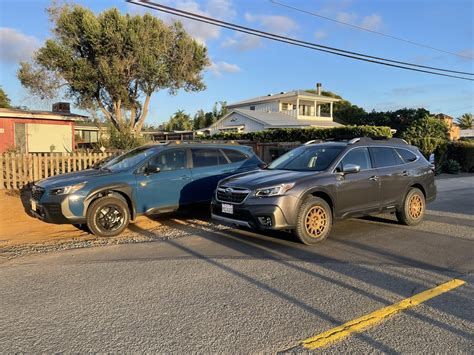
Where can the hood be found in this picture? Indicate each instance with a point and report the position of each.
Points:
(263, 178)
(72, 178)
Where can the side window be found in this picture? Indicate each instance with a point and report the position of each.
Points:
(406, 155)
(207, 157)
(234, 155)
(173, 159)
(356, 156)
(384, 156)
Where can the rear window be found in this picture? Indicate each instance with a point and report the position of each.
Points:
(207, 157)
(385, 156)
(406, 155)
(234, 155)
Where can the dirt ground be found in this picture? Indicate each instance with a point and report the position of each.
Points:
(17, 228)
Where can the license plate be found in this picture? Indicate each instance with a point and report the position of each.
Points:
(33, 205)
(226, 208)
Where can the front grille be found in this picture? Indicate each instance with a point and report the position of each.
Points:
(232, 194)
(36, 192)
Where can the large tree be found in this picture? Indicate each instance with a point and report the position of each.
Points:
(180, 121)
(4, 100)
(465, 121)
(114, 62)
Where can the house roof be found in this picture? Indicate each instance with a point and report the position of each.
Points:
(283, 95)
(281, 120)
(47, 115)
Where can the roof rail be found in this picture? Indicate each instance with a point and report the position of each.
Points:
(179, 142)
(313, 141)
(371, 139)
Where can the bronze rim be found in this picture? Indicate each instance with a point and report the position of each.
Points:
(416, 206)
(316, 221)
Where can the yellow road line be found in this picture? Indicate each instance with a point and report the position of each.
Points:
(368, 320)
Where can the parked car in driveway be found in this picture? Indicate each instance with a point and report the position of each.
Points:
(314, 184)
(147, 180)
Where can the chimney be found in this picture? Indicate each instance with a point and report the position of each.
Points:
(318, 88)
(62, 107)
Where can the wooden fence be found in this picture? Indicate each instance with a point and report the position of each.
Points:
(17, 170)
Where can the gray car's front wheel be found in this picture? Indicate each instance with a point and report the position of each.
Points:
(314, 221)
(108, 216)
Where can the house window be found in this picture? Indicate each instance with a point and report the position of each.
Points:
(284, 106)
(252, 108)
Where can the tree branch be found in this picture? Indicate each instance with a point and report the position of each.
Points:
(141, 120)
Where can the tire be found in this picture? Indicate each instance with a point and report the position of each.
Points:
(108, 216)
(314, 221)
(413, 209)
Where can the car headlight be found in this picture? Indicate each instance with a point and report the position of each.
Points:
(276, 190)
(65, 190)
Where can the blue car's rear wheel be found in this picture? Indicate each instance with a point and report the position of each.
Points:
(108, 216)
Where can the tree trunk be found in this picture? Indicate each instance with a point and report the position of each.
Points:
(141, 121)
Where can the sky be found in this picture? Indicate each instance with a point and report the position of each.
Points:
(243, 66)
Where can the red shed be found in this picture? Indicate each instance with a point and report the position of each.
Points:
(38, 131)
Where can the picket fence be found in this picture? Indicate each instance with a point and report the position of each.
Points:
(17, 170)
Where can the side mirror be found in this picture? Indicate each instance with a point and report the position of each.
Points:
(351, 169)
(152, 169)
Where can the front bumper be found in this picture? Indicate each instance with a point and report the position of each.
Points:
(261, 213)
(54, 209)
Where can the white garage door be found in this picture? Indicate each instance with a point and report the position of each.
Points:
(43, 138)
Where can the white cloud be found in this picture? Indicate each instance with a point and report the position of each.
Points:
(221, 9)
(15, 46)
(218, 68)
(273, 23)
(468, 53)
(242, 42)
(319, 35)
(371, 22)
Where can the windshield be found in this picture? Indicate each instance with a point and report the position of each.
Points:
(129, 159)
(315, 158)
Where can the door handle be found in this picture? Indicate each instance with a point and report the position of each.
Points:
(184, 177)
(405, 173)
(374, 178)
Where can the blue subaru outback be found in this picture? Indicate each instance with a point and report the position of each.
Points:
(147, 180)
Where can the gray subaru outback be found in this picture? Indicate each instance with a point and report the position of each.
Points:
(309, 187)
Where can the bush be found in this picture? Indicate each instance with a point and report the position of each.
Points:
(307, 134)
(122, 140)
(452, 167)
(427, 134)
(462, 152)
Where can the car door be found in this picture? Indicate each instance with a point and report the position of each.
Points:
(393, 175)
(209, 165)
(358, 191)
(161, 182)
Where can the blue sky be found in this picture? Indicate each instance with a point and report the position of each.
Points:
(244, 66)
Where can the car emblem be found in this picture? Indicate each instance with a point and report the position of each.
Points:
(229, 191)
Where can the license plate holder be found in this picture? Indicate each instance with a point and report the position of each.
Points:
(227, 208)
(33, 205)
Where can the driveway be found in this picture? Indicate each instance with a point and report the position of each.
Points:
(218, 289)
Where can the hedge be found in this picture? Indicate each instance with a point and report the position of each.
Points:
(307, 134)
(463, 153)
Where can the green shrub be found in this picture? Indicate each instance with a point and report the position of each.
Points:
(307, 134)
(427, 134)
(452, 167)
(462, 152)
(122, 140)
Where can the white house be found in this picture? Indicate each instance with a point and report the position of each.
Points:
(294, 109)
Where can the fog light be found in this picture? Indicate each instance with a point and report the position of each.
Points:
(266, 221)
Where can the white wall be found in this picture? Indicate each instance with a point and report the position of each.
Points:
(236, 119)
(42, 136)
(269, 106)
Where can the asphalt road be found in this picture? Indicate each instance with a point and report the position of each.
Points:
(228, 290)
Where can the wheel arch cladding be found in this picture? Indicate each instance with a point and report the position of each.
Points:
(121, 191)
(418, 186)
(321, 194)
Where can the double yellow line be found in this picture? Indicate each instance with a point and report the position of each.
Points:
(364, 322)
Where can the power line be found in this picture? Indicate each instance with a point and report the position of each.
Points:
(292, 41)
(368, 30)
